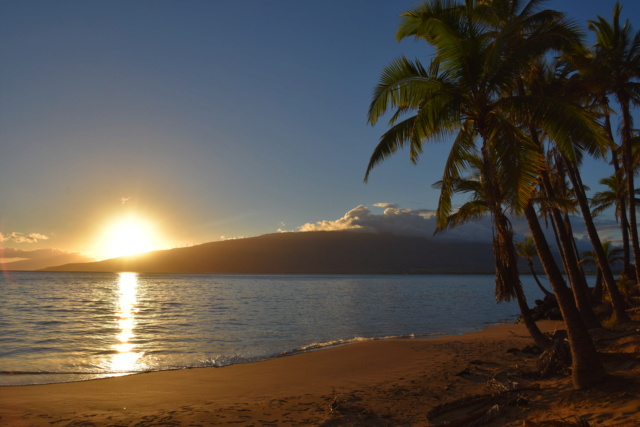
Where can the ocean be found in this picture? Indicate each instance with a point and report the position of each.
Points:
(61, 327)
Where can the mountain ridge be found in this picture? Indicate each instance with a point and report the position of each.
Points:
(315, 252)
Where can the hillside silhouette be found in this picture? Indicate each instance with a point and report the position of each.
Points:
(322, 252)
(41, 258)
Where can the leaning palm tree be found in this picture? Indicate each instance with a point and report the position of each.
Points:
(527, 249)
(617, 51)
(467, 92)
(480, 204)
(619, 305)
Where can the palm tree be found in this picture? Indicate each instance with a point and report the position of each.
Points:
(615, 196)
(508, 283)
(617, 300)
(527, 249)
(586, 366)
(568, 247)
(567, 158)
(617, 51)
(468, 92)
(594, 78)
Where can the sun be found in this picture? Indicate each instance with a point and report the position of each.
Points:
(128, 236)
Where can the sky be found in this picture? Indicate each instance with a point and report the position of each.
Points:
(197, 121)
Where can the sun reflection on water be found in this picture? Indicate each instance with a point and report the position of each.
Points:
(125, 360)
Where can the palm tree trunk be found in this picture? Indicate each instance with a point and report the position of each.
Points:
(626, 244)
(578, 286)
(597, 289)
(627, 161)
(536, 334)
(617, 300)
(535, 277)
(556, 235)
(507, 273)
(627, 271)
(622, 203)
(578, 283)
(633, 227)
(573, 252)
(586, 369)
(507, 276)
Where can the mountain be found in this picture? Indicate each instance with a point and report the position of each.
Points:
(41, 258)
(321, 252)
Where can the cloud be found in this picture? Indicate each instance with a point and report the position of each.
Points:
(223, 237)
(408, 222)
(23, 238)
(393, 220)
(608, 229)
(124, 200)
(422, 223)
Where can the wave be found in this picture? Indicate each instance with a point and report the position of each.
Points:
(70, 372)
(217, 362)
(224, 361)
(339, 342)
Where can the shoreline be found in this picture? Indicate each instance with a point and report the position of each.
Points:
(379, 382)
(312, 347)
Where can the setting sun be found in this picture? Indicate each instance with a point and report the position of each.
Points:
(128, 236)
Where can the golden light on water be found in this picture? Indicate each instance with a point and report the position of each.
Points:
(126, 358)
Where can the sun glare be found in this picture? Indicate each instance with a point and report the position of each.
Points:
(128, 236)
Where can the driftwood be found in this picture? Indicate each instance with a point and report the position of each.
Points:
(478, 418)
(580, 422)
(555, 359)
(483, 407)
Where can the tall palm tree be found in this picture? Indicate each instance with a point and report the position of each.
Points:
(567, 158)
(527, 249)
(594, 78)
(468, 92)
(617, 51)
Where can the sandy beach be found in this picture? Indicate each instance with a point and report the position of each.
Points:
(397, 382)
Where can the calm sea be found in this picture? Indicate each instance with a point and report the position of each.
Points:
(59, 327)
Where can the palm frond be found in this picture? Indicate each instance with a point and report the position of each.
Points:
(462, 149)
(403, 84)
(470, 211)
(517, 159)
(390, 142)
(570, 127)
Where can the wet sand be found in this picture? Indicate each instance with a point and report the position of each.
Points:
(396, 382)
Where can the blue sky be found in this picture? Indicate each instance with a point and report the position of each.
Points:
(210, 120)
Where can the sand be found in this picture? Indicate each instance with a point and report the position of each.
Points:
(396, 382)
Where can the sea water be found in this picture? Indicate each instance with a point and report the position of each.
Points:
(60, 327)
